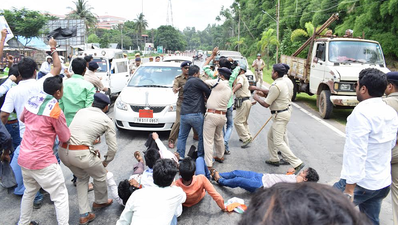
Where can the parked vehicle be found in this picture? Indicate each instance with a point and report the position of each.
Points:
(177, 59)
(332, 67)
(113, 68)
(148, 102)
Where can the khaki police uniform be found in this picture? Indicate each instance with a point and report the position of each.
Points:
(257, 64)
(179, 82)
(392, 100)
(279, 98)
(79, 155)
(242, 113)
(215, 119)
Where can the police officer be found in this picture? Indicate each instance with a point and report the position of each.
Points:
(258, 65)
(278, 99)
(242, 97)
(392, 100)
(178, 86)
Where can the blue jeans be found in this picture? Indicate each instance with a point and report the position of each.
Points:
(201, 167)
(230, 125)
(368, 201)
(174, 220)
(247, 180)
(40, 75)
(13, 129)
(188, 121)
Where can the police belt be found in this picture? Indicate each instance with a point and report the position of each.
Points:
(279, 111)
(244, 98)
(74, 147)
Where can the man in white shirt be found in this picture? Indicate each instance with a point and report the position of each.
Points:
(371, 132)
(160, 204)
(45, 67)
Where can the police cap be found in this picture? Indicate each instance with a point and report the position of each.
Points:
(224, 71)
(280, 68)
(99, 97)
(392, 76)
(88, 58)
(286, 66)
(186, 63)
(92, 66)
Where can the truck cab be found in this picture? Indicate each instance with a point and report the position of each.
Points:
(335, 67)
(113, 68)
(332, 68)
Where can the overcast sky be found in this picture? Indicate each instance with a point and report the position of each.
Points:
(192, 13)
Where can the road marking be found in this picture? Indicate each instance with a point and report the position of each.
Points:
(342, 134)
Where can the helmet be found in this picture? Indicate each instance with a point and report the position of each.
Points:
(258, 55)
(243, 67)
(48, 57)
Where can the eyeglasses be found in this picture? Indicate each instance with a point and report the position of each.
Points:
(185, 67)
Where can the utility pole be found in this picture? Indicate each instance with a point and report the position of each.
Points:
(121, 35)
(239, 31)
(277, 31)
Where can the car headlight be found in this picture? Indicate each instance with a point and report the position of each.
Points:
(172, 108)
(121, 105)
(347, 87)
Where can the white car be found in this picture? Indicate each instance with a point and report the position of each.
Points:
(177, 59)
(147, 102)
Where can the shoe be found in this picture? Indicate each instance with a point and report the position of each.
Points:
(240, 140)
(196, 137)
(246, 143)
(279, 153)
(33, 223)
(272, 163)
(192, 153)
(100, 206)
(298, 168)
(282, 162)
(220, 160)
(85, 220)
(38, 201)
(227, 152)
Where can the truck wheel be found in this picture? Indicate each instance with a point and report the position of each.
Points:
(325, 106)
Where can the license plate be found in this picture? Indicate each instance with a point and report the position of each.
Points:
(146, 120)
(145, 113)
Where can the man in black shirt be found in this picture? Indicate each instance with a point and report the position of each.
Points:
(192, 110)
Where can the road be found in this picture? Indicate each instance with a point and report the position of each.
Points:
(318, 143)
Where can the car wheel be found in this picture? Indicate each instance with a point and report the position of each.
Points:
(325, 106)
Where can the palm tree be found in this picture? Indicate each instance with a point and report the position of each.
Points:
(83, 11)
(267, 39)
(296, 34)
(140, 25)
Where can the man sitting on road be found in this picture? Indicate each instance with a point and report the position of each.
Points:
(251, 181)
(160, 204)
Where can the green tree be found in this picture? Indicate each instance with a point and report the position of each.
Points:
(83, 11)
(169, 38)
(140, 25)
(268, 39)
(26, 23)
(93, 38)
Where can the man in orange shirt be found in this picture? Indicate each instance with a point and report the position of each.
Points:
(195, 186)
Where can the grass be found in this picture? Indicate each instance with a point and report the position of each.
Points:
(340, 115)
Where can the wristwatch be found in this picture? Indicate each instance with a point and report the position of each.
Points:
(348, 195)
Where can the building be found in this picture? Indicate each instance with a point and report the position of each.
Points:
(109, 22)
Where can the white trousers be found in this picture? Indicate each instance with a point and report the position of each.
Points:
(52, 180)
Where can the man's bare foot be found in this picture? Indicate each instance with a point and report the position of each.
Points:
(216, 176)
(137, 156)
(90, 186)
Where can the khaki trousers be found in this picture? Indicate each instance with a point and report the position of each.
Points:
(277, 139)
(240, 120)
(51, 179)
(259, 77)
(176, 126)
(213, 136)
(85, 164)
(394, 192)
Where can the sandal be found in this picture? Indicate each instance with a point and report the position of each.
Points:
(171, 144)
(220, 160)
(212, 173)
(216, 176)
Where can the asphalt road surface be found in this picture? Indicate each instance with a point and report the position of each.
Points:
(318, 143)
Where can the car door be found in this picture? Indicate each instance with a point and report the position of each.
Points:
(317, 66)
(119, 74)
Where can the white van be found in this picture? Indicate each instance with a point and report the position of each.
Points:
(113, 68)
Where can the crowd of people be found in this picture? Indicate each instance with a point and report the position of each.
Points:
(60, 119)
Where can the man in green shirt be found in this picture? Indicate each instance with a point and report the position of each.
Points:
(78, 93)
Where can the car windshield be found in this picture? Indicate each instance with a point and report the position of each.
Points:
(102, 65)
(355, 51)
(154, 76)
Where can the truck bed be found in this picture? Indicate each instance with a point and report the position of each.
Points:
(298, 67)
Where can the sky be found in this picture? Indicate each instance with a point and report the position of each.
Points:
(186, 13)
